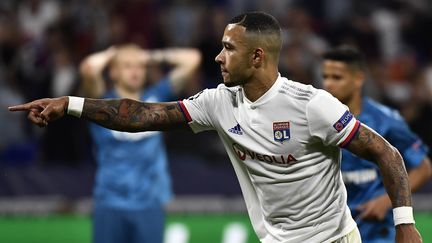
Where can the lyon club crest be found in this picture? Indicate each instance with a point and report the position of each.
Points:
(281, 131)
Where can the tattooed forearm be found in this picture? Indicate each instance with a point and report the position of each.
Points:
(373, 147)
(365, 139)
(133, 116)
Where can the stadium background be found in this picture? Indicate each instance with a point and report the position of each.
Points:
(46, 175)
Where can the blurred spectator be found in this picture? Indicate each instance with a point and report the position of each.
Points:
(212, 23)
(35, 16)
(64, 74)
(12, 127)
(180, 23)
(138, 19)
(336, 11)
(418, 110)
(387, 25)
(401, 73)
(13, 137)
(302, 47)
(278, 8)
(93, 23)
(428, 80)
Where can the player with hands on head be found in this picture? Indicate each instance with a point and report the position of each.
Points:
(123, 59)
(283, 138)
(344, 73)
(132, 180)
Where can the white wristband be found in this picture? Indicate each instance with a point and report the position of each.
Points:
(75, 106)
(403, 215)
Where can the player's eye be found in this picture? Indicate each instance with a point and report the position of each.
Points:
(337, 77)
(227, 46)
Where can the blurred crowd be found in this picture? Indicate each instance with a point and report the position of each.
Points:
(43, 41)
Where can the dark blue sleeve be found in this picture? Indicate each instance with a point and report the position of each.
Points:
(411, 147)
(163, 90)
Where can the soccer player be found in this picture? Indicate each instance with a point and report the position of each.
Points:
(344, 72)
(282, 137)
(132, 180)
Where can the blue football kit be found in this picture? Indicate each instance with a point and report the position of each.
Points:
(362, 177)
(132, 181)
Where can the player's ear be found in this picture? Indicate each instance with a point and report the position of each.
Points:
(258, 57)
(359, 78)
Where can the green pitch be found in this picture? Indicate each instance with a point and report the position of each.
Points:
(77, 229)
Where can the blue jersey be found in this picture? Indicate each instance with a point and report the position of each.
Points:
(362, 177)
(132, 167)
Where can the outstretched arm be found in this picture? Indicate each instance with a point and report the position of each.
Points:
(117, 114)
(371, 146)
(133, 116)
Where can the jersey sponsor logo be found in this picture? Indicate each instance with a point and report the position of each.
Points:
(236, 130)
(281, 131)
(359, 176)
(240, 151)
(243, 153)
(343, 121)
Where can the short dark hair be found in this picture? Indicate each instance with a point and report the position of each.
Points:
(257, 22)
(347, 54)
(265, 26)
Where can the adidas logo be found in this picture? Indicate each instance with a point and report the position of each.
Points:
(237, 130)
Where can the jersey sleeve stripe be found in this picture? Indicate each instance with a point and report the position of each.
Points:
(185, 111)
(351, 135)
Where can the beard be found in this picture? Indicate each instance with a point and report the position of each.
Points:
(231, 80)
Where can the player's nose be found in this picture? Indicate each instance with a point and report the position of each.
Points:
(219, 58)
(328, 85)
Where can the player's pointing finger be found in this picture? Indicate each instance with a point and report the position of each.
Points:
(22, 107)
(37, 105)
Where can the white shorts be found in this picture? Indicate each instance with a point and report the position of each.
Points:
(351, 237)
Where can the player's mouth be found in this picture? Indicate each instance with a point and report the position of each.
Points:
(223, 71)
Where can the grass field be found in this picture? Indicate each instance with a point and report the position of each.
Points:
(77, 229)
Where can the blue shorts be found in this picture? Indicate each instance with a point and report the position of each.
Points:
(113, 225)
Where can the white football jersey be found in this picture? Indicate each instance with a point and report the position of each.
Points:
(284, 148)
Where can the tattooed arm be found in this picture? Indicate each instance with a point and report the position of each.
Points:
(118, 114)
(133, 116)
(371, 146)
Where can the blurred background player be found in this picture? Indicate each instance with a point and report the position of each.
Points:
(344, 73)
(132, 180)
